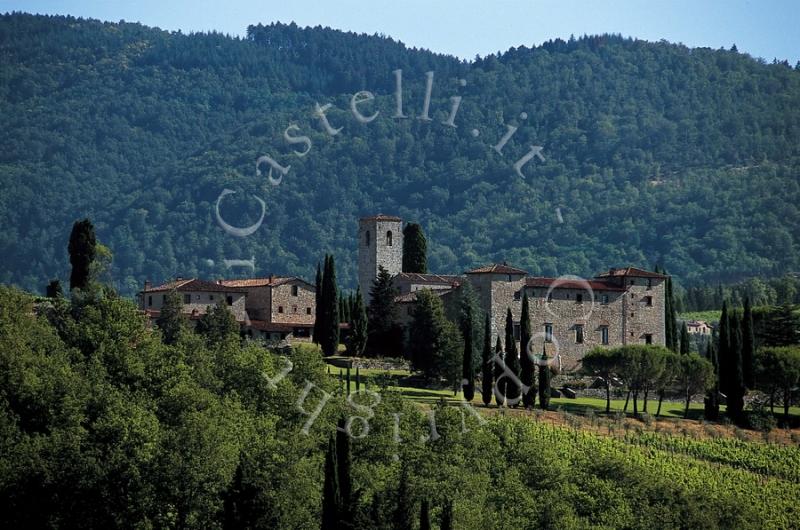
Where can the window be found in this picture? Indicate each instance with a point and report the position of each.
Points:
(229, 299)
(633, 282)
(211, 297)
(308, 311)
(648, 301)
(197, 297)
(294, 290)
(366, 238)
(517, 295)
(604, 299)
(150, 300)
(604, 334)
(280, 309)
(579, 334)
(579, 298)
(187, 299)
(648, 339)
(163, 298)
(294, 309)
(389, 238)
(548, 332)
(631, 315)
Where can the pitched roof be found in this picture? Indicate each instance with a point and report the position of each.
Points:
(381, 217)
(193, 284)
(562, 283)
(631, 271)
(416, 277)
(497, 268)
(412, 296)
(262, 282)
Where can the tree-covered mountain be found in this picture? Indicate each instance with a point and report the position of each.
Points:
(653, 152)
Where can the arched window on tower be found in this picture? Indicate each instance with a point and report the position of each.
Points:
(366, 238)
(389, 238)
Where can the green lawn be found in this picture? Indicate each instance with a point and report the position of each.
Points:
(708, 316)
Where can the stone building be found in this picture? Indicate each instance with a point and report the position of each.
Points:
(380, 243)
(569, 315)
(273, 308)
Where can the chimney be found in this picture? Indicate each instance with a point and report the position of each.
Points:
(178, 278)
(147, 285)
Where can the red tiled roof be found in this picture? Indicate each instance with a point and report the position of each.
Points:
(596, 285)
(630, 271)
(273, 281)
(497, 268)
(193, 284)
(415, 277)
(380, 217)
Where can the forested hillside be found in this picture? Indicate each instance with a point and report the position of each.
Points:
(653, 152)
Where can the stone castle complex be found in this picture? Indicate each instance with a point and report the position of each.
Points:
(569, 316)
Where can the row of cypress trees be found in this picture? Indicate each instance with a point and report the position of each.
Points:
(518, 363)
(326, 323)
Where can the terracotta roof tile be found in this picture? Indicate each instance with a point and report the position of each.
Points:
(193, 284)
(381, 217)
(497, 268)
(415, 277)
(630, 271)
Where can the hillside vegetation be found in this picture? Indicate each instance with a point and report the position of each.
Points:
(653, 152)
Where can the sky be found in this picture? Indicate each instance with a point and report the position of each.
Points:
(466, 28)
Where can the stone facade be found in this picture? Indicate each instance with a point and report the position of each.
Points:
(380, 243)
(569, 316)
(197, 297)
(293, 301)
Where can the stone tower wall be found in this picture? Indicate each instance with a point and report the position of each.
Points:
(377, 252)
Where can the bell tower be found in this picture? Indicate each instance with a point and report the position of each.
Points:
(380, 244)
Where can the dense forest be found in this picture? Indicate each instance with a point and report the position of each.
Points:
(653, 153)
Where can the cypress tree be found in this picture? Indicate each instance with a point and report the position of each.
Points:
(684, 340)
(331, 498)
(82, 251)
(385, 334)
(723, 350)
(512, 358)
(447, 516)
(424, 515)
(358, 326)
(467, 370)
(748, 345)
(171, 320)
(487, 373)
(403, 513)
(343, 465)
(318, 306)
(544, 381)
(736, 390)
(711, 402)
(499, 393)
(670, 322)
(415, 249)
(330, 309)
(526, 364)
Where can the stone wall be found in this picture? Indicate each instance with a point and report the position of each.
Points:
(297, 309)
(376, 251)
(199, 301)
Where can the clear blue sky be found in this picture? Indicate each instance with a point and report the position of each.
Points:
(768, 28)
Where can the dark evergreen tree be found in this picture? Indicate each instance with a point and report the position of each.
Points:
(424, 515)
(346, 508)
(544, 380)
(685, 341)
(499, 387)
(331, 496)
(671, 323)
(54, 289)
(447, 516)
(358, 327)
(736, 387)
(487, 371)
(526, 363)
(82, 250)
(385, 334)
(434, 342)
(318, 301)
(404, 509)
(330, 309)
(711, 401)
(467, 368)
(511, 359)
(748, 345)
(415, 249)
(171, 320)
